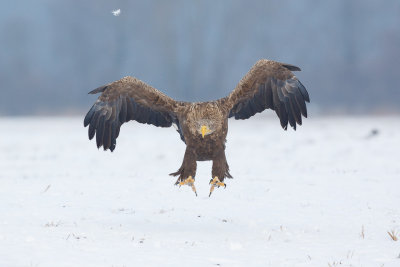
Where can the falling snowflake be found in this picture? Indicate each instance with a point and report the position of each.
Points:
(116, 12)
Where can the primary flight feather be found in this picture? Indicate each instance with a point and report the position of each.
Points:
(203, 126)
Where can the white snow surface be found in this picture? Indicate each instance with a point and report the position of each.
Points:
(324, 195)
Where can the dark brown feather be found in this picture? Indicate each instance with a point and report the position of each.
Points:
(98, 90)
(124, 100)
(269, 84)
(291, 67)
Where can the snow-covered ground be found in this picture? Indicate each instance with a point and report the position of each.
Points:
(325, 195)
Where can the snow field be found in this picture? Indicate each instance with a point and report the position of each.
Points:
(325, 195)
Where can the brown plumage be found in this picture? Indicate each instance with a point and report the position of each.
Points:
(203, 126)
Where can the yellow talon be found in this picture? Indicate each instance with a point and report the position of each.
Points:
(190, 182)
(215, 182)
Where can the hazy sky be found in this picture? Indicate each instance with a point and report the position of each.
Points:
(53, 52)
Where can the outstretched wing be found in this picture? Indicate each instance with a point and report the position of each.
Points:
(269, 84)
(124, 100)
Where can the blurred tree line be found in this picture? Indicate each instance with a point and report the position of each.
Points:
(53, 52)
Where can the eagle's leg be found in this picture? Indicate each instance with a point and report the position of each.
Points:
(220, 170)
(187, 171)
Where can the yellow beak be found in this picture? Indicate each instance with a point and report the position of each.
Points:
(204, 130)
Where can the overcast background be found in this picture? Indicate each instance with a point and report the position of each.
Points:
(53, 52)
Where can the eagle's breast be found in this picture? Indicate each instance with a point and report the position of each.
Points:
(204, 114)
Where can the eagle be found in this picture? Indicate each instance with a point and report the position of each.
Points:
(202, 126)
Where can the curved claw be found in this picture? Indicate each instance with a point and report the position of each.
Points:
(190, 182)
(215, 182)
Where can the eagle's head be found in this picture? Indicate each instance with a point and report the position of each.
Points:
(205, 127)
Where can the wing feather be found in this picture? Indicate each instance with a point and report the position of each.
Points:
(269, 85)
(92, 131)
(100, 131)
(124, 100)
